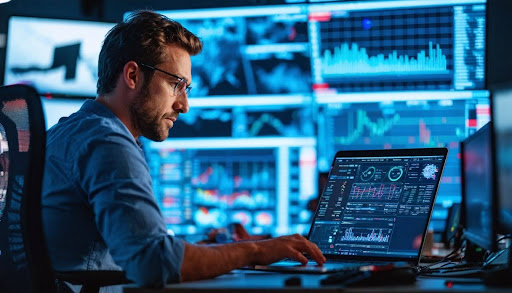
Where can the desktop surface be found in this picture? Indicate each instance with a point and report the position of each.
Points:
(243, 281)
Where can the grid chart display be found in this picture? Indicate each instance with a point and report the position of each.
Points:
(382, 223)
(201, 189)
(346, 126)
(249, 53)
(434, 48)
(469, 51)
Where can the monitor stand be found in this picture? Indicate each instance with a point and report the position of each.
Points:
(499, 274)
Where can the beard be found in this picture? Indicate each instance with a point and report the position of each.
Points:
(145, 118)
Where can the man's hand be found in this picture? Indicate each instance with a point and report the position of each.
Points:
(207, 261)
(293, 246)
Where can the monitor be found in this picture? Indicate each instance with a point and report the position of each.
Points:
(400, 74)
(259, 51)
(501, 109)
(478, 198)
(56, 56)
(264, 184)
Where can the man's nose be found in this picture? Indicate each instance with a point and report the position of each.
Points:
(181, 104)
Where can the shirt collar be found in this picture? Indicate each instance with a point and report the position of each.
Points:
(93, 106)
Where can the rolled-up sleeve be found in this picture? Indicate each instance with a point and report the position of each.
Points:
(116, 179)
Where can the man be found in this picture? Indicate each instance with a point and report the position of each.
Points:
(99, 212)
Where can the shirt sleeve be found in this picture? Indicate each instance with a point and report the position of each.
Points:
(115, 176)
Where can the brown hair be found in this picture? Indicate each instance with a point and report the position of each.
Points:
(142, 37)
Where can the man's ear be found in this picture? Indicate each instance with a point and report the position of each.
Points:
(132, 75)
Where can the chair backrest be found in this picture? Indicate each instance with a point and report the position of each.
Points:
(24, 262)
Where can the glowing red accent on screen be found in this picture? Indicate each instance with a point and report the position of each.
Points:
(307, 163)
(320, 86)
(453, 145)
(471, 123)
(293, 34)
(320, 16)
(238, 181)
(483, 111)
(424, 132)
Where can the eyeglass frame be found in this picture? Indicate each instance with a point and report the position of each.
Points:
(180, 79)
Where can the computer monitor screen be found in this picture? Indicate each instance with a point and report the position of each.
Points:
(262, 183)
(258, 50)
(400, 74)
(502, 121)
(478, 194)
(56, 56)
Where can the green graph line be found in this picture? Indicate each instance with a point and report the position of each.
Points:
(377, 128)
(266, 119)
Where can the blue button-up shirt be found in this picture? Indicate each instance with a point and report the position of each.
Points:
(99, 212)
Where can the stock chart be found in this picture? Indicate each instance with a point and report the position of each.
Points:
(385, 125)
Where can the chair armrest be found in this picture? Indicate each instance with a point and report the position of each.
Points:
(93, 278)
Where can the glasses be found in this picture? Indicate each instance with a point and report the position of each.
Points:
(180, 87)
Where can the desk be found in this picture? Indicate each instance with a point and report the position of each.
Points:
(250, 282)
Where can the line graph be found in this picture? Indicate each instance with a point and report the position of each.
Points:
(417, 124)
(272, 121)
(266, 119)
(366, 235)
(375, 191)
(365, 124)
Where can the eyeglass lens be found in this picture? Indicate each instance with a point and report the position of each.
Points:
(181, 87)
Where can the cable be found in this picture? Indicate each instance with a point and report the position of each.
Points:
(489, 257)
(508, 236)
(448, 257)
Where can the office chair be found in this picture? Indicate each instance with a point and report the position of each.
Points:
(24, 262)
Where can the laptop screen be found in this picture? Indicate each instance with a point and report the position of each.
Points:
(378, 203)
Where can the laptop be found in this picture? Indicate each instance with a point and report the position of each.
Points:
(374, 210)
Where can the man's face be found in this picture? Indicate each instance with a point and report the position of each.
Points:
(156, 107)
